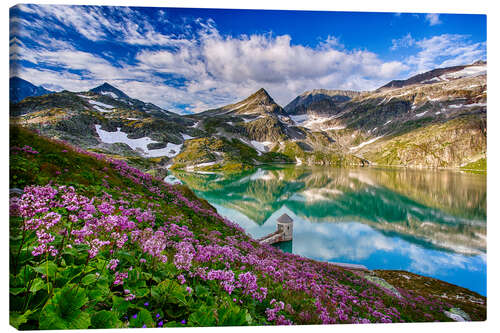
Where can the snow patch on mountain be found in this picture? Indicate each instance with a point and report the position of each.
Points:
(101, 109)
(466, 72)
(107, 106)
(247, 120)
(300, 118)
(315, 122)
(192, 168)
(474, 105)
(262, 146)
(366, 143)
(333, 128)
(99, 106)
(140, 145)
(110, 94)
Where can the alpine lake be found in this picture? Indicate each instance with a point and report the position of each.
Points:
(429, 222)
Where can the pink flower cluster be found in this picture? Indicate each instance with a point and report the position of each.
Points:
(119, 277)
(26, 149)
(272, 313)
(184, 256)
(151, 242)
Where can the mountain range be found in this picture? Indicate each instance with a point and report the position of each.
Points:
(434, 119)
(20, 89)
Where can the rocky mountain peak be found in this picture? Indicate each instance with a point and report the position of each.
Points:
(325, 98)
(439, 75)
(108, 89)
(331, 93)
(261, 96)
(260, 102)
(20, 89)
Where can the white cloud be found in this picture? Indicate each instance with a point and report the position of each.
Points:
(445, 50)
(216, 69)
(98, 23)
(433, 19)
(233, 67)
(406, 41)
(51, 78)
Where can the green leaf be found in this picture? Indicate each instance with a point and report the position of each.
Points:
(89, 279)
(204, 293)
(47, 268)
(26, 275)
(248, 318)
(141, 292)
(17, 319)
(96, 295)
(202, 317)
(120, 306)
(105, 319)
(143, 318)
(37, 285)
(232, 316)
(169, 291)
(102, 284)
(82, 321)
(64, 310)
(125, 258)
(68, 275)
(71, 298)
(16, 281)
(17, 291)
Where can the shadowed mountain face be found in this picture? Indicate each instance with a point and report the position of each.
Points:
(20, 89)
(107, 89)
(319, 101)
(440, 74)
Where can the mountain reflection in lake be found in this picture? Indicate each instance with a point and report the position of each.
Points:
(428, 222)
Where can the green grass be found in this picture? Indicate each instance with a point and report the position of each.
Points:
(479, 165)
(233, 155)
(427, 144)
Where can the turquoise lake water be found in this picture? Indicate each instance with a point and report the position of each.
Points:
(431, 223)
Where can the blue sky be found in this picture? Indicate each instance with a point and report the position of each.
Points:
(190, 60)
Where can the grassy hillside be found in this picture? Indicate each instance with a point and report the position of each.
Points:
(304, 153)
(445, 144)
(221, 154)
(95, 243)
(479, 165)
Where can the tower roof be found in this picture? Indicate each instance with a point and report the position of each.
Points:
(285, 219)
